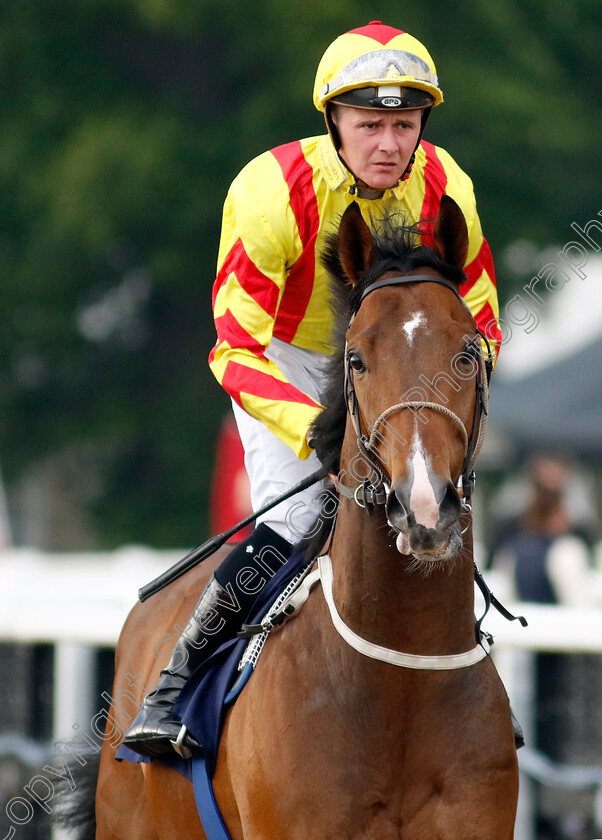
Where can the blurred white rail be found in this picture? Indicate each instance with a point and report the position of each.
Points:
(76, 597)
(85, 598)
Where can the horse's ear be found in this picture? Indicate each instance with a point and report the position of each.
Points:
(356, 248)
(450, 234)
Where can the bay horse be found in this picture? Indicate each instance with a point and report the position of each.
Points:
(381, 727)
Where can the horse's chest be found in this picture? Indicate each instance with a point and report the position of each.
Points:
(344, 749)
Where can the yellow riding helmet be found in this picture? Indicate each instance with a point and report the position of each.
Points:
(377, 66)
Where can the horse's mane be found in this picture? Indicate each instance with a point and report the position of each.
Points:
(398, 247)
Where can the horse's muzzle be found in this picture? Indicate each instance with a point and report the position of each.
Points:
(427, 529)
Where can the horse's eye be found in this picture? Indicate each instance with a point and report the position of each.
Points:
(471, 349)
(356, 363)
(469, 356)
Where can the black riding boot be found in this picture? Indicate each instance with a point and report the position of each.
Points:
(219, 614)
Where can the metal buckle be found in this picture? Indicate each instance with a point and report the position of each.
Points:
(179, 745)
(356, 496)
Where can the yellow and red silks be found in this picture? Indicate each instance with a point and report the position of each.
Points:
(270, 283)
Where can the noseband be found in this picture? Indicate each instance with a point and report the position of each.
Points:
(375, 492)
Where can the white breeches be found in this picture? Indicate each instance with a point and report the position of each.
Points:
(272, 466)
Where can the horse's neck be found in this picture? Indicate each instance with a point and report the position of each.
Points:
(382, 596)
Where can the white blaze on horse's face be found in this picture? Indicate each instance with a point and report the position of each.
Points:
(418, 319)
(423, 502)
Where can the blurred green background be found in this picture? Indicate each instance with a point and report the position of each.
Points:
(123, 123)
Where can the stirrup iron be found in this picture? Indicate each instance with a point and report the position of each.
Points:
(179, 746)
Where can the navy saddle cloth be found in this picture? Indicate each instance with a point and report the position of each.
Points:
(201, 703)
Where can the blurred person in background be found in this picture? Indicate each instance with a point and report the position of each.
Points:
(546, 550)
(376, 87)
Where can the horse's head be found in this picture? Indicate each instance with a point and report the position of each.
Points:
(414, 376)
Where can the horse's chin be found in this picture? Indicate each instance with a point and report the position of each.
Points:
(448, 549)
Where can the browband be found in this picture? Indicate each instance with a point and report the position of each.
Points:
(411, 278)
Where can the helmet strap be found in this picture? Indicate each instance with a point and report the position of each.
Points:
(408, 171)
(424, 119)
(336, 142)
(331, 127)
(356, 182)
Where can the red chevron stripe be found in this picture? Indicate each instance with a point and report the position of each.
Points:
(474, 269)
(228, 329)
(261, 288)
(435, 182)
(240, 379)
(298, 175)
(487, 323)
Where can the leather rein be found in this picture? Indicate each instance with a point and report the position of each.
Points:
(374, 490)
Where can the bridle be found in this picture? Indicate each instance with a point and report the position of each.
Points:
(374, 490)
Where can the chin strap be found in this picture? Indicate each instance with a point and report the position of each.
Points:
(408, 171)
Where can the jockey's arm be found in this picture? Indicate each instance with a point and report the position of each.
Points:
(253, 261)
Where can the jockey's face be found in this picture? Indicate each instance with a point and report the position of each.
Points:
(377, 145)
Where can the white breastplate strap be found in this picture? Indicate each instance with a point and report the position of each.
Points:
(394, 657)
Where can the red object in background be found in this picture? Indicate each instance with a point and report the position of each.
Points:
(230, 492)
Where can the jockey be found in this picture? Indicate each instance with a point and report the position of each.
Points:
(376, 86)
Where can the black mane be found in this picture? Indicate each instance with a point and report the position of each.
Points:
(398, 248)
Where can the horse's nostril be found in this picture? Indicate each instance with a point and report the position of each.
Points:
(449, 508)
(397, 515)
